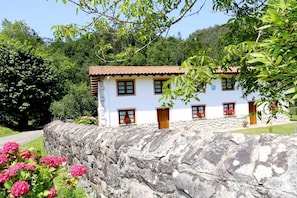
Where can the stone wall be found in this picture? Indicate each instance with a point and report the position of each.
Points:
(136, 162)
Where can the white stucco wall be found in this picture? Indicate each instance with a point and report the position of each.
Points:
(145, 102)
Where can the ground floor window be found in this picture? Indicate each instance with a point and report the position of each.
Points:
(198, 111)
(127, 116)
(229, 108)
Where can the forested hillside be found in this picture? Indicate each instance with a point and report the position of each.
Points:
(210, 39)
(162, 51)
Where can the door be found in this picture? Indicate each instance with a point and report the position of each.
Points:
(253, 113)
(163, 118)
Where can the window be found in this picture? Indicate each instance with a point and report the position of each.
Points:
(201, 88)
(158, 85)
(227, 84)
(273, 106)
(126, 116)
(125, 87)
(198, 111)
(229, 108)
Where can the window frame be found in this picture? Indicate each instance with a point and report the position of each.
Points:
(225, 110)
(125, 87)
(162, 83)
(195, 113)
(227, 81)
(122, 113)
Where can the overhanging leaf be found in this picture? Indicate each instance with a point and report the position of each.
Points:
(291, 90)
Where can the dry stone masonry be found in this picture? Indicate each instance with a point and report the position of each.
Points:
(150, 163)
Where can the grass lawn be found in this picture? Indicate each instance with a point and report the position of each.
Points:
(274, 129)
(293, 117)
(6, 132)
(37, 144)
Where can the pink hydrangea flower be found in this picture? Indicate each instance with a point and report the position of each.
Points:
(30, 167)
(25, 154)
(52, 194)
(4, 177)
(10, 147)
(20, 188)
(52, 161)
(77, 170)
(3, 159)
(11, 171)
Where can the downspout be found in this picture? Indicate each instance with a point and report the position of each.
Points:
(108, 100)
(99, 103)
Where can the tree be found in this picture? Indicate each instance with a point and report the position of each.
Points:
(246, 18)
(141, 21)
(34, 74)
(27, 87)
(78, 102)
(267, 65)
(166, 51)
(20, 32)
(207, 39)
(270, 62)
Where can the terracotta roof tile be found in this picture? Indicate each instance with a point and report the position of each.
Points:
(134, 70)
(146, 70)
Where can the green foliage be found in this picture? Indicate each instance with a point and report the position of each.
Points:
(88, 120)
(168, 51)
(27, 86)
(19, 32)
(267, 61)
(78, 102)
(199, 72)
(65, 191)
(86, 51)
(206, 39)
(34, 73)
(271, 62)
(72, 58)
(130, 26)
(238, 9)
(242, 27)
(28, 174)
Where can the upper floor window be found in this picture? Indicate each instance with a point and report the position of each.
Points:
(229, 108)
(125, 87)
(227, 84)
(201, 88)
(198, 111)
(158, 86)
(126, 116)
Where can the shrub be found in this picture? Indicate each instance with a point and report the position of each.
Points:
(76, 103)
(87, 120)
(27, 174)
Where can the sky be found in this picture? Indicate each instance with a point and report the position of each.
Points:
(41, 15)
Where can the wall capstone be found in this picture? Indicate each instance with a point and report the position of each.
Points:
(135, 162)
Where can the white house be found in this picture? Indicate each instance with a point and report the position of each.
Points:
(130, 94)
